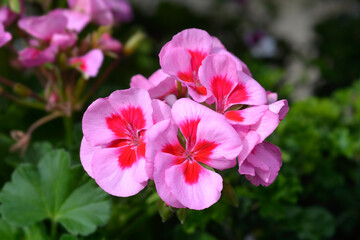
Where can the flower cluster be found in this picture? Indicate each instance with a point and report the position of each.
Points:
(200, 112)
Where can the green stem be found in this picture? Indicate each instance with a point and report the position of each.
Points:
(68, 125)
(53, 229)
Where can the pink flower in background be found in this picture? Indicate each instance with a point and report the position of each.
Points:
(63, 40)
(7, 17)
(113, 147)
(230, 87)
(180, 179)
(90, 63)
(103, 12)
(108, 43)
(33, 57)
(159, 85)
(4, 36)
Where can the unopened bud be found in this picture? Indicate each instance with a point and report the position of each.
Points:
(133, 43)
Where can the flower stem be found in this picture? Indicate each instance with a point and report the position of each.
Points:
(53, 229)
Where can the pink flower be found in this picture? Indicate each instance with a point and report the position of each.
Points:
(32, 57)
(159, 84)
(4, 36)
(90, 63)
(113, 147)
(108, 43)
(176, 166)
(230, 87)
(103, 12)
(183, 56)
(262, 165)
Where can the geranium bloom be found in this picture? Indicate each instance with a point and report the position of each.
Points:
(90, 63)
(183, 56)
(205, 139)
(103, 12)
(32, 57)
(4, 36)
(230, 87)
(113, 147)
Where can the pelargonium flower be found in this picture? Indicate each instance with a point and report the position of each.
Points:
(32, 57)
(90, 63)
(230, 87)
(113, 147)
(76, 21)
(4, 36)
(103, 12)
(176, 162)
(159, 85)
(108, 43)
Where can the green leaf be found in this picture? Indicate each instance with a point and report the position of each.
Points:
(35, 232)
(7, 231)
(68, 237)
(57, 192)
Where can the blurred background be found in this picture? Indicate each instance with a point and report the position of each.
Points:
(309, 53)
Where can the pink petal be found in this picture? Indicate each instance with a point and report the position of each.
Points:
(4, 36)
(32, 57)
(121, 10)
(177, 62)
(247, 116)
(266, 160)
(90, 63)
(94, 123)
(159, 136)
(217, 143)
(218, 75)
(249, 142)
(248, 92)
(267, 124)
(76, 21)
(163, 162)
(86, 154)
(108, 43)
(193, 185)
(116, 177)
(43, 27)
(193, 39)
(271, 97)
(64, 40)
(161, 110)
(139, 81)
(280, 107)
(136, 99)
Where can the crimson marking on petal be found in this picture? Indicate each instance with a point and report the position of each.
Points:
(191, 171)
(82, 64)
(35, 53)
(127, 157)
(203, 149)
(174, 149)
(186, 76)
(238, 95)
(127, 123)
(117, 143)
(201, 90)
(189, 129)
(140, 150)
(196, 59)
(221, 88)
(234, 116)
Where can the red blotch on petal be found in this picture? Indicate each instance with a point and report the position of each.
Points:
(201, 90)
(189, 129)
(140, 150)
(117, 143)
(203, 149)
(186, 76)
(238, 95)
(127, 157)
(221, 88)
(174, 149)
(127, 123)
(196, 59)
(81, 62)
(234, 116)
(191, 171)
